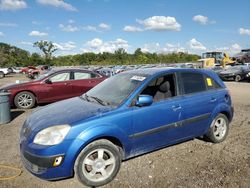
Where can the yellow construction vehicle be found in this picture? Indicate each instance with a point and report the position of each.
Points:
(212, 59)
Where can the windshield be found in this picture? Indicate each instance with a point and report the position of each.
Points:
(115, 90)
(43, 75)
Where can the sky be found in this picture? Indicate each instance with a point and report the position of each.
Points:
(161, 26)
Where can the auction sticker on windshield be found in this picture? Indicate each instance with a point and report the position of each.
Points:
(138, 78)
(209, 82)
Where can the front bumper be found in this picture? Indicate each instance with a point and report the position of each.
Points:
(43, 166)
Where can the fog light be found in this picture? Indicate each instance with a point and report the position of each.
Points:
(57, 161)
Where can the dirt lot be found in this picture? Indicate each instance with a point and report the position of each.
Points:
(191, 164)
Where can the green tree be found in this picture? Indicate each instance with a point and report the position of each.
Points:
(47, 47)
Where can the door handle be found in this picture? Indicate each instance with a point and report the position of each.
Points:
(213, 100)
(176, 107)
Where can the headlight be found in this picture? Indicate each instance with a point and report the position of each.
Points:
(52, 135)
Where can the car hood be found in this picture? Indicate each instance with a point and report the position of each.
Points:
(15, 85)
(65, 112)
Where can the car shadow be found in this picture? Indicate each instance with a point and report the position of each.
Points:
(16, 113)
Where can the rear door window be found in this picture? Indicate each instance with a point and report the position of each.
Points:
(193, 82)
(82, 75)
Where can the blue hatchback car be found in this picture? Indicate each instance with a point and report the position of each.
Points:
(132, 113)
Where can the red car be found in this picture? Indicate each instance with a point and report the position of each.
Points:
(52, 86)
(25, 70)
(34, 73)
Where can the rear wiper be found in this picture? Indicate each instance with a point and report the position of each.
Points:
(100, 101)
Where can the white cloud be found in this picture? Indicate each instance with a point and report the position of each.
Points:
(58, 4)
(99, 28)
(26, 43)
(151, 47)
(233, 49)
(36, 23)
(129, 28)
(167, 48)
(12, 4)
(243, 31)
(196, 45)
(98, 46)
(1, 34)
(160, 23)
(104, 26)
(68, 28)
(89, 28)
(37, 34)
(67, 46)
(201, 19)
(8, 24)
(71, 21)
(95, 43)
(171, 48)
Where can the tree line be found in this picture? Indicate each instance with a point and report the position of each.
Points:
(13, 56)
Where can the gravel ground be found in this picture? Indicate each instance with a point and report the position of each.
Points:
(195, 163)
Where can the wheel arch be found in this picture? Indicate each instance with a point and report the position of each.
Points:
(226, 114)
(85, 139)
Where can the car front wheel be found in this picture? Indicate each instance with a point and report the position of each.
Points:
(237, 78)
(25, 100)
(98, 163)
(219, 128)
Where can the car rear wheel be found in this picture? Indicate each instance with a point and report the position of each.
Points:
(1, 74)
(219, 128)
(98, 163)
(25, 100)
(237, 78)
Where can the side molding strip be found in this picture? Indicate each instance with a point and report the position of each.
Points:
(171, 125)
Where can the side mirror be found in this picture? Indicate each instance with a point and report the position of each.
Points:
(144, 100)
(48, 81)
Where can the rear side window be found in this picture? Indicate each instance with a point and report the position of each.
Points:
(193, 82)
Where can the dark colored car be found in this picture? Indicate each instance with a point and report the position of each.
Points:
(52, 86)
(217, 69)
(243, 56)
(129, 114)
(236, 73)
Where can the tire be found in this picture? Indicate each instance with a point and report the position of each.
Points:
(218, 130)
(25, 100)
(90, 167)
(237, 78)
(1, 75)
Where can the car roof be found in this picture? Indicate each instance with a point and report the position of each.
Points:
(162, 70)
(69, 69)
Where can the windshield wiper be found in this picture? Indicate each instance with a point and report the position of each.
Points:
(100, 101)
(85, 97)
